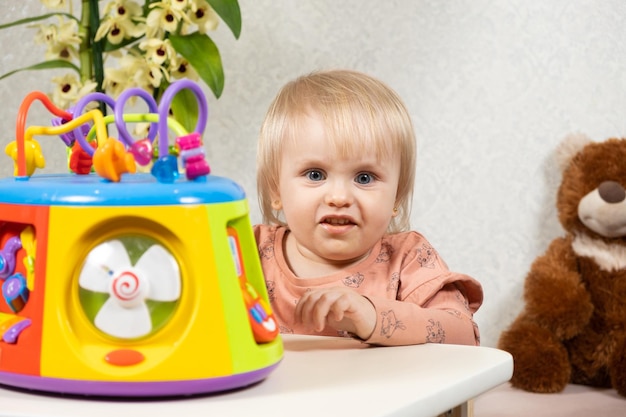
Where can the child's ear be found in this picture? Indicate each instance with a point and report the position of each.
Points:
(396, 210)
(276, 203)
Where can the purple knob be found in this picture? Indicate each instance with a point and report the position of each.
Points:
(15, 292)
(7, 257)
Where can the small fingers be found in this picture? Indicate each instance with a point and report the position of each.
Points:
(317, 309)
(304, 310)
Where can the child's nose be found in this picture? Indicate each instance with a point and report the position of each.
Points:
(339, 194)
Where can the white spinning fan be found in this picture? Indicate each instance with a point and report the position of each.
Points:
(107, 269)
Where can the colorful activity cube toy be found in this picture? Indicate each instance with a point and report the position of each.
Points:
(118, 283)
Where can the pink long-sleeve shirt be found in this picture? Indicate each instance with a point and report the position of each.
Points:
(417, 299)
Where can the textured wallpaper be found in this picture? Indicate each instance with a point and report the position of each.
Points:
(492, 86)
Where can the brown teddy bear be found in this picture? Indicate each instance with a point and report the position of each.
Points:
(573, 326)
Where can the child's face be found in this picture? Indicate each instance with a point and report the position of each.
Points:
(336, 207)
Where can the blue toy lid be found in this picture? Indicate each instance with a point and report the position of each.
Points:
(132, 190)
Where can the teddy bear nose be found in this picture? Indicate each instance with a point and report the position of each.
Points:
(612, 192)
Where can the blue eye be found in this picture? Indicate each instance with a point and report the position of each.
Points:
(364, 178)
(315, 175)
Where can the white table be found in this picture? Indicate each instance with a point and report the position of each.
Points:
(318, 376)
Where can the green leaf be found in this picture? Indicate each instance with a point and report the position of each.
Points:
(185, 109)
(204, 57)
(57, 63)
(230, 13)
(36, 19)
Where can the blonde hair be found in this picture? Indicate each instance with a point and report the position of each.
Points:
(358, 112)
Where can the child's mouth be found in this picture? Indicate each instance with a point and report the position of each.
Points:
(337, 225)
(337, 222)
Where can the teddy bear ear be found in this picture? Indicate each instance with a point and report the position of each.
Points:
(569, 147)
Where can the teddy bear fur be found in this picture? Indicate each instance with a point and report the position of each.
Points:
(573, 325)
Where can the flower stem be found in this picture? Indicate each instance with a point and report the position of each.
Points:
(84, 31)
(91, 64)
(98, 64)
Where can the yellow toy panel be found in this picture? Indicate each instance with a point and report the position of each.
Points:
(145, 284)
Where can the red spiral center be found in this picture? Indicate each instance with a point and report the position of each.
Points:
(126, 286)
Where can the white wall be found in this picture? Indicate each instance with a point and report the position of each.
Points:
(492, 86)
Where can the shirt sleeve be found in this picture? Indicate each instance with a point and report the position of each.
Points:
(445, 318)
(433, 304)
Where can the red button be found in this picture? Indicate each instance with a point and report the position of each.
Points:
(124, 357)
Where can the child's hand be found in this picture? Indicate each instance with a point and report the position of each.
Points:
(340, 308)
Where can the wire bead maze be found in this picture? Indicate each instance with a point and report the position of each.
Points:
(90, 149)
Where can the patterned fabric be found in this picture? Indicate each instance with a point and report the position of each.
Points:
(417, 299)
